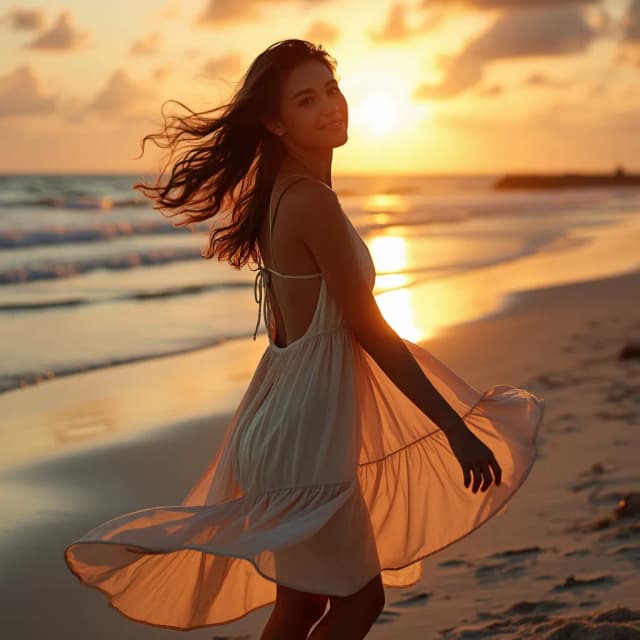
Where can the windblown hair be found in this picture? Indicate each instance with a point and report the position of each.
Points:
(231, 159)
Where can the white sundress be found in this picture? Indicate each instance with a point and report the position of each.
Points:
(326, 475)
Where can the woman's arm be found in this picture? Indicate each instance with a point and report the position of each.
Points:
(322, 226)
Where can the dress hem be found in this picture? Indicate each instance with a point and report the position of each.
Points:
(148, 551)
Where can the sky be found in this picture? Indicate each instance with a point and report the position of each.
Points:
(433, 86)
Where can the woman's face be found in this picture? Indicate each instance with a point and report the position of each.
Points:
(313, 111)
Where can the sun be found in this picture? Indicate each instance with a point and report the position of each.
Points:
(379, 113)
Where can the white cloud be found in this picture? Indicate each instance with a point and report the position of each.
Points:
(21, 94)
(61, 36)
(120, 97)
(147, 45)
(24, 19)
(515, 34)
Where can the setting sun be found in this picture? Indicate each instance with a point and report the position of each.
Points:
(379, 113)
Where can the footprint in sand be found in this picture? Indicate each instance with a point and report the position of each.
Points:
(594, 478)
(619, 624)
(510, 553)
(512, 621)
(577, 552)
(511, 567)
(622, 519)
(537, 606)
(413, 600)
(410, 600)
(628, 532)
(579, 583)
(454, 563)
(387, 616)
(622, 391)
(629, 553)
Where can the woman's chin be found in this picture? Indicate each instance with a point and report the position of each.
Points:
(338, 138)
(343, 140)
(328, 141)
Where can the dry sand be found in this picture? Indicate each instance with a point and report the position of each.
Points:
(563, 549)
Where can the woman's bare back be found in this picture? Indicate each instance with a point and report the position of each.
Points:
(295, 299)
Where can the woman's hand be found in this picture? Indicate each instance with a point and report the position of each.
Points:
(474, 455)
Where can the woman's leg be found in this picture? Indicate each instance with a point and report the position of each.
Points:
(294, 613)
(351, 617)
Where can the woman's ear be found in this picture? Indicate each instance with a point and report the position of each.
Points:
(274, 127)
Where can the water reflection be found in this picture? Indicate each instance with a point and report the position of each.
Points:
(385, 202)
(390, 256)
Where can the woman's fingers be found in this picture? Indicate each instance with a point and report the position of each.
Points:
(482, 473)
(466, 474)
(497, 471)
(487, 477)
(482, 476)
(477, 476)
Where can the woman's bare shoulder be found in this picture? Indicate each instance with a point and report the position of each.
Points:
(307, 195)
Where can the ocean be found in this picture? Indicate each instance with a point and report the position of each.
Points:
(91, 276)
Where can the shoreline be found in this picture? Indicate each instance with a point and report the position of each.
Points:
(585, 253)
(104, 407)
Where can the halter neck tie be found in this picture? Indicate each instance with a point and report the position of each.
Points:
(260, 286)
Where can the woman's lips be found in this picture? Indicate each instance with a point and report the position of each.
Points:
(334, 126)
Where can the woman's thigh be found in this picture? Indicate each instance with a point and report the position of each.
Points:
(293, 603)
(371, 598)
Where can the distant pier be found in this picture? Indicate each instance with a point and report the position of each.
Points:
(619, 178)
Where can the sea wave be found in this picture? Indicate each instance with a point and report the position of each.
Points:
(83, 202)
(61, 234)
(22, 274)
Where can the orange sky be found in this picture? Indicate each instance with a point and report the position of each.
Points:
(434, 86)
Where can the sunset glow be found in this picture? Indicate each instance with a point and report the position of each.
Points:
(438, 87)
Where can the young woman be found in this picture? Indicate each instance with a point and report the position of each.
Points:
(353, 453)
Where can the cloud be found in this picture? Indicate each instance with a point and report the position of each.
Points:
(218, 12)
(493, 90)
(224, 11)
(170, 11)
(147, 45)
(321, 32)
(538, 79)
(24, 19)
(225, 67)
(162, 71)
(120, 97)
(519, 34)
(397, 29)
(511, 5)
(60, 37)
(631, 23)
(629, 51)
(21, 94)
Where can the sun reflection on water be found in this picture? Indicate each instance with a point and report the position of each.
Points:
(389, 254)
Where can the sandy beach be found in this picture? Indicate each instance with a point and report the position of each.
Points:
(567, 546)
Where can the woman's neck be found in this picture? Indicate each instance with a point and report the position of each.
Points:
(316, 167)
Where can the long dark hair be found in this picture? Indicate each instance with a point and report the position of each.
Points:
(231, 160)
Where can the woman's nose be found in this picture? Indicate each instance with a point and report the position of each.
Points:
(330, 108)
